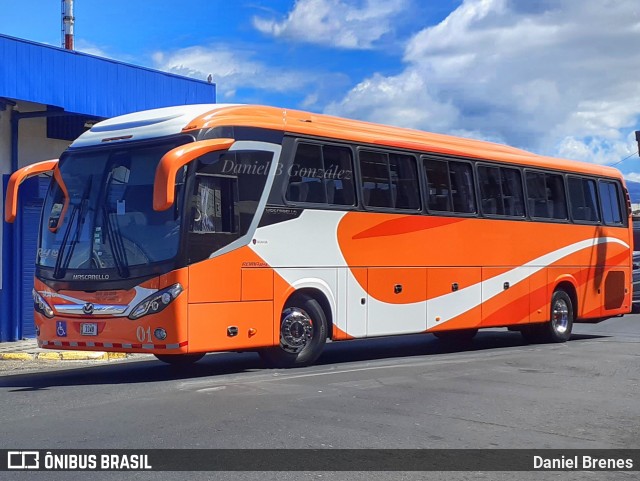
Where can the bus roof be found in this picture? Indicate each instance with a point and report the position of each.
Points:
(173, 120)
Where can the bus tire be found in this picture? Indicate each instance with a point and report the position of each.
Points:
(456, 335)
(303, 334)
(560, 324)
(180, 359)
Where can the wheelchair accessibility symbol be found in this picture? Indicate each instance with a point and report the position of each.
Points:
(61, 328)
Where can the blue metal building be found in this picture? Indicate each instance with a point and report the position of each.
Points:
(49, 96)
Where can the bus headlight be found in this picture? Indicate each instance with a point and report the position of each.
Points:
(156, 302)
(40, 305)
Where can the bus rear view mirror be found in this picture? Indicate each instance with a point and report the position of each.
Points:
(17, 178)
(172, 161)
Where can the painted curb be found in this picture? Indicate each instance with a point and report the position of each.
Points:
(17, 356)
(62, 356)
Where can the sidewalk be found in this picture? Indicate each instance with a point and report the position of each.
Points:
(28, 350)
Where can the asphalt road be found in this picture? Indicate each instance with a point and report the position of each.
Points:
(406, 392)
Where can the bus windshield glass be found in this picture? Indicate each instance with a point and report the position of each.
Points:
(100, 216)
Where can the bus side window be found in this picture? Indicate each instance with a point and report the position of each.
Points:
(338, 175)
(404, 181)
(501, 191)
(512, 193)
(306, 183)
(213, 204)
(321, 175)
(462, 188)
(545, 196)
(556, 196)
(610, 197)
(536, 195)
(389, 180)
(438, 185)
(584, 200)
(450, 186)
(376, 187)
(227, 190)
(490, 191)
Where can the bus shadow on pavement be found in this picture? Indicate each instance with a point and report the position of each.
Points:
(424, 345)
(220, 364)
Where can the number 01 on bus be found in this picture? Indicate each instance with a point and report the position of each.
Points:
(204, 228)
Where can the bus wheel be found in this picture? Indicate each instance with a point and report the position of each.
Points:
(560, 324)
(456, 336)
(303, 334)
(180, 359)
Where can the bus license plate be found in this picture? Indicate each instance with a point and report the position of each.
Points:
(89, 329)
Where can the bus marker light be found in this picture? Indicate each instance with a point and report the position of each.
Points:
(160, 334)
(437, 318)
(252, 332)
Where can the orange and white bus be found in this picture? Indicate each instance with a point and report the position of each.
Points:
(204, 228)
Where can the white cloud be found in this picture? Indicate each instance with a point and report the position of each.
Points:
(239, 77)
(408, 94)
(340, 23)
(597, 149)
(84, 46)
(230, 69)
(632, 176)
(558, 77)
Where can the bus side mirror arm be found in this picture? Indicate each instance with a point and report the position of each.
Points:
(17, 178)
(172, 161)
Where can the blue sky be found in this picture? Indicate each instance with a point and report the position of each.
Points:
(557, 77)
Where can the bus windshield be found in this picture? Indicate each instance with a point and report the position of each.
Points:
(100, 216)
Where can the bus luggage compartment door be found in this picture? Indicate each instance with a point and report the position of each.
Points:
(505, 296)
(357, 301)
(397, 300)
(455, 296)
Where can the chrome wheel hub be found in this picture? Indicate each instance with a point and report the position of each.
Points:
(296, 330)
(560, 317)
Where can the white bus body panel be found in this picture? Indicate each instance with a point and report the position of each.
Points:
(147, 124)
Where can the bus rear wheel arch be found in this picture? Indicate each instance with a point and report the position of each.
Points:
(303, 333)
(560, 324)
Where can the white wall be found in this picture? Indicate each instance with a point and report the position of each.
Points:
(5, 140)
(5, 162)
(33, 144)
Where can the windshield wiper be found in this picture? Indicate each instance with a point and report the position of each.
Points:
(117, 244)
(64, 257)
